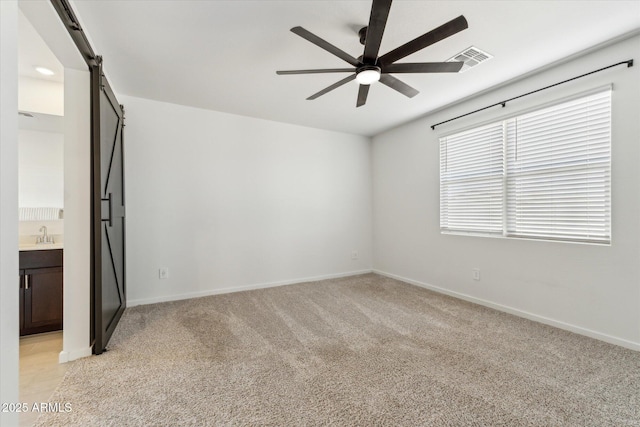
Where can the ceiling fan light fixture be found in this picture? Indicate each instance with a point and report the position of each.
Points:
(368, 74)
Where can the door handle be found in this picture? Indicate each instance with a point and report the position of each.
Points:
(109, 209)
(26, 281)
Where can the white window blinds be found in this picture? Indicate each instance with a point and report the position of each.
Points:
(544, 174)
(558, 171)
(471, 174)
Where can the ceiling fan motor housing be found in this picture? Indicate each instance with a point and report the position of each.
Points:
(363, 35)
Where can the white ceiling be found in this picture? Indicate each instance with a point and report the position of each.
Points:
(34, 52)
(223, 55)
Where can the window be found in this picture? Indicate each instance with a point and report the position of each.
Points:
(543, 175)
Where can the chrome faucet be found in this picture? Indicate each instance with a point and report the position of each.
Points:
(44, 238)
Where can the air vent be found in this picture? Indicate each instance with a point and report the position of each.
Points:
(471, 57)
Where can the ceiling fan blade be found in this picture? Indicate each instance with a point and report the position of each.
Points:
(325, 70)
(398, 85)
(375, 30)
(362, 95)
(424, 67)
(332, 87)
(325, 45)
(442, 32)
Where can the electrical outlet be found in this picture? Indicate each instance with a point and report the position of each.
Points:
(163, 273)
(476, 273)
(354, 255)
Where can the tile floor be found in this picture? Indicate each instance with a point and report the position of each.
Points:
(40, 372)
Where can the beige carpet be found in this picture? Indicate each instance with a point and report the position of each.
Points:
(364, 350)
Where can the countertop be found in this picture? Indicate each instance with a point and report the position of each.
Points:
(40, 247)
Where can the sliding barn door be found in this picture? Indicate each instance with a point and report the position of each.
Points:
(109, 287)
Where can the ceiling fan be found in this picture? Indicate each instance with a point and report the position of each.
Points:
(370, 68)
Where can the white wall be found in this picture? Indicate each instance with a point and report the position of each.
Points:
(40, 169)
(77, 215)
(9, 366)
(40, 179)
(594, 290)
(40, 96)
(229, 202)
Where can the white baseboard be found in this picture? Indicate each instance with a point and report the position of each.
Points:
(68, 356)
(230, 289)
(520, 313)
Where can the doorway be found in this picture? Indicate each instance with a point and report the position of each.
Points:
(94, 188)
(72, 104)
(41, 226)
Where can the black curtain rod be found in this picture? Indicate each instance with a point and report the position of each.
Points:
(504, 103)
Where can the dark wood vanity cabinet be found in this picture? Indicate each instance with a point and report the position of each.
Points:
(40, 291)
